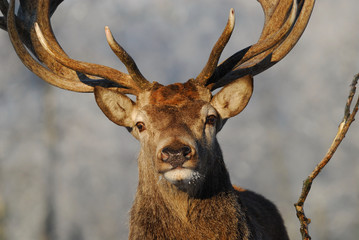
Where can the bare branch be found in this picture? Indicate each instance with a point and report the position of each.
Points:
(349, 117)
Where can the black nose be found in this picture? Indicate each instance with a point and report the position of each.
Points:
(176, 156)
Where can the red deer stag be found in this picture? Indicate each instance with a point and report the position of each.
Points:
(184, 189)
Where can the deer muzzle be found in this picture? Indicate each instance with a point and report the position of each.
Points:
(176, 156)
(178, 161)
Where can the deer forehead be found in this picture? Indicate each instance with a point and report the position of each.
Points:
(174, 105)
(190, 112)
(177, 94)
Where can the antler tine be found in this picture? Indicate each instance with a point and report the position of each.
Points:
(54, 66)
(282, 48)
(217, 50)
(32, 64)
(275, 29)
(279, 35)
(127, 60)
(44, 9)
(87, 68)
(43, 19)
(58, 78)
(297, 31)
(275, 12)
(47, 39)
(132, 83)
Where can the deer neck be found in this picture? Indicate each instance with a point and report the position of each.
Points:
(161, 209)
(153, 187)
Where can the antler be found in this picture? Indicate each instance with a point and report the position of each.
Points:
(53, 65)
(217, 50)
(285, 21)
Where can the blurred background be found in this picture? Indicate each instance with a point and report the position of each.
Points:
(68, 173)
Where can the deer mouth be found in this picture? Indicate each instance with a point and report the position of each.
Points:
(178, 162)
(182, 176)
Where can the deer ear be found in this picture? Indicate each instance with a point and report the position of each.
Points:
(234, 97)
(116, 106)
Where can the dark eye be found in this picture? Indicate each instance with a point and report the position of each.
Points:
(140, 126)
(211, 120)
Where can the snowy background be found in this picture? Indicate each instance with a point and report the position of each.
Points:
(68, 172)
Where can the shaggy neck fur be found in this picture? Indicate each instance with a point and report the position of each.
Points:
(162, 211)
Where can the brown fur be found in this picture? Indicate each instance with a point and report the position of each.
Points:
(184, 190)
(195, 199)
(174, 94)
(161, 211)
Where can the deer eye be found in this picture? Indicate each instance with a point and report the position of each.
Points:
(211, 120)
(140, 126)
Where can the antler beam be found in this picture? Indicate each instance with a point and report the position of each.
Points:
(217, 50)
(285, 22)
(53, 65)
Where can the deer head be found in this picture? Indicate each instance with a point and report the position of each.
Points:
(175, 124)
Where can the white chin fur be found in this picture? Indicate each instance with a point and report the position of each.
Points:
(183, 174)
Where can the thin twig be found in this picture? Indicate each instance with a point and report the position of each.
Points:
(342, 130)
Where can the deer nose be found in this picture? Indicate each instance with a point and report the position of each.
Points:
(176, 156)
